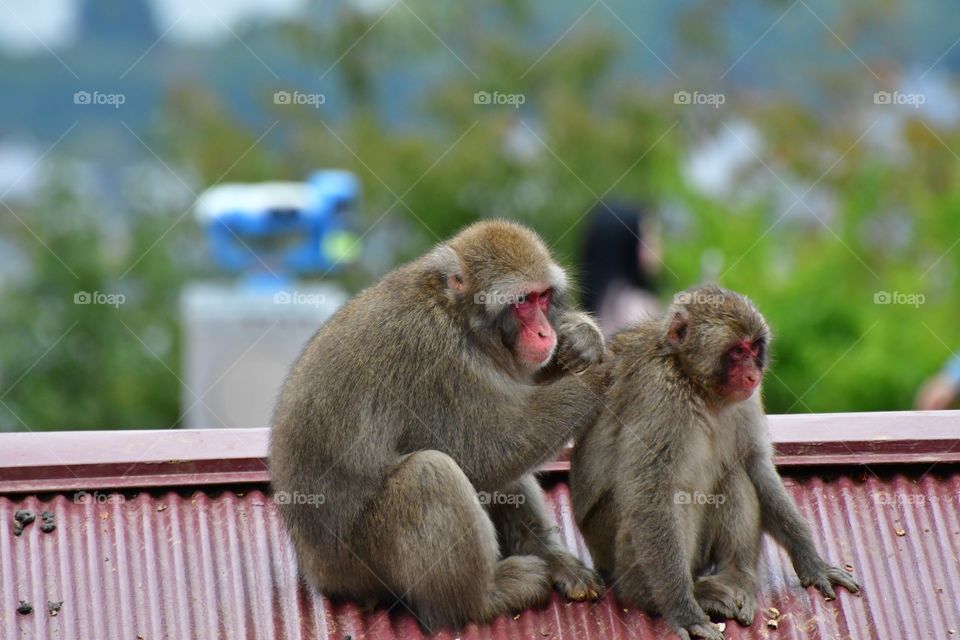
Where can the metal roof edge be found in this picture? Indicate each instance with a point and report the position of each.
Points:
(85, 460)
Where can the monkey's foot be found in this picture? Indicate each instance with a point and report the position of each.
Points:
(706, 630)
(823, 577)
(572, 578)
(721, 600)
(520, 582)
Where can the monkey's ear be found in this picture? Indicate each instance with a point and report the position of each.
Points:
(677, 332)
(455, 282)
(445, 260)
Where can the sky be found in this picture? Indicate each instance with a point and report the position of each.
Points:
(28, 27)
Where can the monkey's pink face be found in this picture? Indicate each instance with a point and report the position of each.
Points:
(744, 370)
(536, 338)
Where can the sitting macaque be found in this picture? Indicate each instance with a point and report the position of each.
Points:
(674, 485)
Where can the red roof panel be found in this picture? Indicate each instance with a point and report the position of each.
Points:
(213, 562)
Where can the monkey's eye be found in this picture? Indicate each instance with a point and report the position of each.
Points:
(759, 347)
(544, 299)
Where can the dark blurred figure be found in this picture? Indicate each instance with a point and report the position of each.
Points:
(941, 391)
(620, 263)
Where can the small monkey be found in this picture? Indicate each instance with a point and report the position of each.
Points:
(451, 376)
(675, 484)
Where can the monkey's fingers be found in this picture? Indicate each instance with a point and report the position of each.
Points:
(827, 576)
(843, 578)
(576, 582)
(748, 610)
(824, 587)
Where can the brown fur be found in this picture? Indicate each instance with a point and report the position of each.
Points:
(407, 403)
(668, 433)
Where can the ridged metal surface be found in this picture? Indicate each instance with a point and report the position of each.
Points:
(216, 565)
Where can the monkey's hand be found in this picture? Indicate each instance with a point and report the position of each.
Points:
(580, 343)
(572, 578)
(823, 576)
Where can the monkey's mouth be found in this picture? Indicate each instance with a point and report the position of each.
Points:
(740, 389)
(536, 358)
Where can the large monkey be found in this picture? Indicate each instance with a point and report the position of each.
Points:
(445, 379)
(675, 484)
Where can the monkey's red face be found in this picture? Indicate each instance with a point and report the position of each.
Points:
(536, 339)
(744, 368)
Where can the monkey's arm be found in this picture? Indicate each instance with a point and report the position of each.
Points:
(783, 521)
(527, 435)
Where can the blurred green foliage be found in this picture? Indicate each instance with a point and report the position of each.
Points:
(585, 131)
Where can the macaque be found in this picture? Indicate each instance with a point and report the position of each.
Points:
(675, 484)
(406, 433)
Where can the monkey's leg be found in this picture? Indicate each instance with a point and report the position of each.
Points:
(653, 567)
(780, 517)
(433, 543)
(734, 537)
(520, 517)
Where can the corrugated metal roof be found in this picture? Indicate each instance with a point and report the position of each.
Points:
(213, 563)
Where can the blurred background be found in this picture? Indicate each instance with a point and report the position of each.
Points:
(804, 153)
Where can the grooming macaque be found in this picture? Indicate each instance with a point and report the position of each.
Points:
(674, 485)
(453, 375)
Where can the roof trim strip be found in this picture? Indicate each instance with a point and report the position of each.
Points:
(75, 460)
